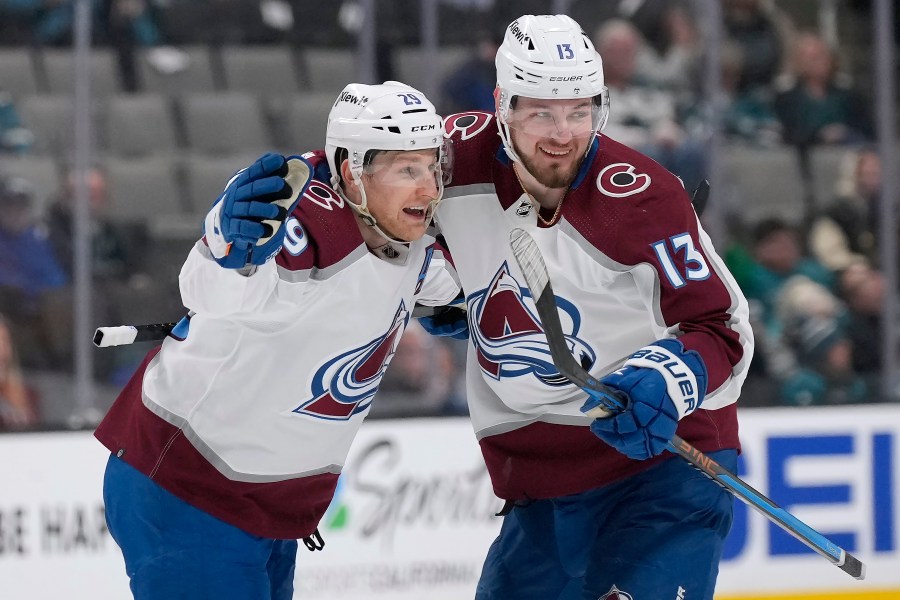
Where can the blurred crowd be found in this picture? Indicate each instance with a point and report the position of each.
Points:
(815, 283)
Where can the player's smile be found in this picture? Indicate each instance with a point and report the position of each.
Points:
(554, 152)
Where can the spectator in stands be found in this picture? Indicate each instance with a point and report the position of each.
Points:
(471, 85)
(764, 34)
(748, 115)
(34, 288)
(799, 324)
(115, 269)
(18, 401)
(108, 247)
(129, 25)
(16, 18)
(670, 52)
(814, 103)
(776, 256)
(652, 18)
(815, 330)
(646, 117)
(14, 137)
(847, 230)
(863, 290)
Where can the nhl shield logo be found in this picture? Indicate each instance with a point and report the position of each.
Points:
(615, 593)
(524, 208)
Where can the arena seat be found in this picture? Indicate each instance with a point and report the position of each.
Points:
(224, 123)
(139, 125)
(59, 71)
(261, 70)
(18, 74)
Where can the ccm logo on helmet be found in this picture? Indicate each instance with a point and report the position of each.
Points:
(423, 128)
(572, 78)
(619, 180)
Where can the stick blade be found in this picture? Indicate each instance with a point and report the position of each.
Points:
(853, 566)
(528, 255)
(700, 197)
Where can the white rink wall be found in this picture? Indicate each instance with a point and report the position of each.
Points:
(412, 517)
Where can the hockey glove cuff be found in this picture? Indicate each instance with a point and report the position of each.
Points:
(658, 385)
(447, 322)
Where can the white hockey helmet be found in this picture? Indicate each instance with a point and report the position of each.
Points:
(548, 57)
(389, 116)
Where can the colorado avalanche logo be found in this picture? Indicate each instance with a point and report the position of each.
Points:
(344, 386)
(509, 339)
(323, 196)
(620, 180)
(616, 594)
(469, 123)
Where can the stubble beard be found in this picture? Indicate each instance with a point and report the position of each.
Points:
(555, 176)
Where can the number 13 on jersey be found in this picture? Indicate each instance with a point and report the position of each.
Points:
(695, 268)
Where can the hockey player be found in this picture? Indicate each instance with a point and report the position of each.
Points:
(596, 509)
(228, 441)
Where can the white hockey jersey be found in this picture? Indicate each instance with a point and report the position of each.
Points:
(629, 263)
(249, 411)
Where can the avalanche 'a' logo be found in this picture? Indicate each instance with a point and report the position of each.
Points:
(508, 336)
(344, 386)
(616, 594)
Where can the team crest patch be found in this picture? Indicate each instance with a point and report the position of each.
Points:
(620, 180)
(344, 385)
(469, 124)
(615, 593)
(508, 336)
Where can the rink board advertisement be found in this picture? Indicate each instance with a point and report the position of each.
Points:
(413, 514)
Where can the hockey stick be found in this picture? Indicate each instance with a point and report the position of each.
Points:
(121, 335)
(129, 334)
(534, 269)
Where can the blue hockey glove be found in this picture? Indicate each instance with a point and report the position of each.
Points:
(448, 321)
(246, 224)
(658, 385)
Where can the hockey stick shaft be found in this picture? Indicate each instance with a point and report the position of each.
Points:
(121, 335)
(529, 258)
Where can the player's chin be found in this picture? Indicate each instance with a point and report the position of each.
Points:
(408, 231)
(556, 176)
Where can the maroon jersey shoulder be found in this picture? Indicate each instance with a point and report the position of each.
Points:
(473, 138)
(323, 229)
(637, 201)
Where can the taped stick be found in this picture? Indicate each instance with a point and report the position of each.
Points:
(129, 334)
